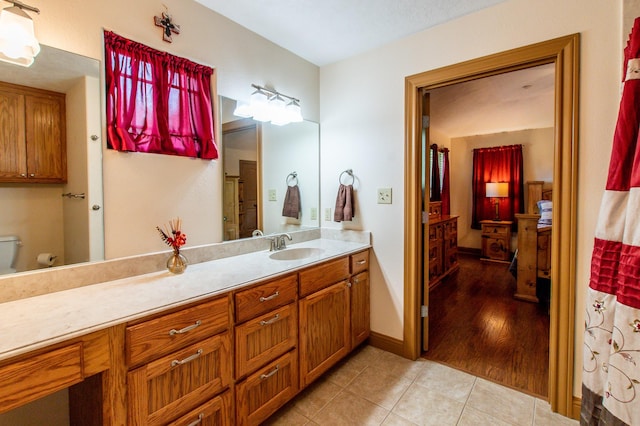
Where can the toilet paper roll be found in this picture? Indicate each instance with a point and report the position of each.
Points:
(46, 259)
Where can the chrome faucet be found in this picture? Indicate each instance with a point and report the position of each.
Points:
(278, 242)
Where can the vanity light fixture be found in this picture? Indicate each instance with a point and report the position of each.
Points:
(18, 43)
(270, 105)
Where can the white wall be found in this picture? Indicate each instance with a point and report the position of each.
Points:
(145, 190)
(537, 157)
(362, 104)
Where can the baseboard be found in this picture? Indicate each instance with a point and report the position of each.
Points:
(386, 343)
(577, 403)
(469, 250)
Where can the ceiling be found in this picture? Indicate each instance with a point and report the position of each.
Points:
(327, 31)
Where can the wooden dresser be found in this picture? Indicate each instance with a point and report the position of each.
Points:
(441, 255)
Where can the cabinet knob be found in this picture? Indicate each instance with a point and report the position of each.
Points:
(32, 175)
(23, 175)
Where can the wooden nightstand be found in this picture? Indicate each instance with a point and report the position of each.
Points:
(496, 240)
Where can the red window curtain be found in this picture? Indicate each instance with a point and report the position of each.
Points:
(435, 174)
(157, 102)
(499, 164)
(446, 192)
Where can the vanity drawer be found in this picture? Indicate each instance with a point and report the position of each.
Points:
(40, 375)
(264, 338)
(214, 412)
(162, 335)
(262, 393)
(321, 276)
(359, 262)
(265, 297)
(162, 390)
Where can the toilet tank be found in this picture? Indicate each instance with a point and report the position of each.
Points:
(8, 251)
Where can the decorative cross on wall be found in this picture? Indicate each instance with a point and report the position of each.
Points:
(168, 27)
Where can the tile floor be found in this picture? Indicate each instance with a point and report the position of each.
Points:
(374, 387)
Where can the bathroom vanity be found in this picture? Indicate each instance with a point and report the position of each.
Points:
(229, 341)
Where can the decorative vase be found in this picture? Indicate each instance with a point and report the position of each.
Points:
(177, 263)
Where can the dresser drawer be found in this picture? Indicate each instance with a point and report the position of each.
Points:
(321, 276)
(165, 389)
(40, 375)
(216, 412)
(264, 338)
(495, 229)
(262, 393)
(160, 336)
(359, 262)
(265, 297)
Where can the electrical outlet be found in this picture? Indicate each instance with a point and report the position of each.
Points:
(272, 195)
(327, 214)
(384, 195)
(314, 213)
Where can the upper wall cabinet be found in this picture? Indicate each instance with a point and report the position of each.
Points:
(32, 135)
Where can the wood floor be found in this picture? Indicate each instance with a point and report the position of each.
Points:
(476, 326)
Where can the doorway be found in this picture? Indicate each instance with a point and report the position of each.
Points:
(563, 52)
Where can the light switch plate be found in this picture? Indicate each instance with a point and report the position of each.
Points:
(327, 214)
(314, 213)
(384, 195)
(272, 195)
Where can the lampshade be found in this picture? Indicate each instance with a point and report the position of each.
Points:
(18, 44)
(497, 189)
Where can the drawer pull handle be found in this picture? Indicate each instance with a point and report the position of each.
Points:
(173, 331)
(273, 296)
(187, 359)
(271, 373)
(197, 422)
(361, 262)
(271, 321)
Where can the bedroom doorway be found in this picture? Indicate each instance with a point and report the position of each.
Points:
(563, 52)
(475, 324)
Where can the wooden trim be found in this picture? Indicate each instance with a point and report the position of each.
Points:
(564, 53)
(386, 343)
(577, 403)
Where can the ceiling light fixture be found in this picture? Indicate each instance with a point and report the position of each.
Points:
(270, 105)
(18, 43)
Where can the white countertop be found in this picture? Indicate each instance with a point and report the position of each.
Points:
(39, 321)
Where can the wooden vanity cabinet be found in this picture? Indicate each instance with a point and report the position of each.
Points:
(186, 361)
(333, 315)
(266, 337)
(32, 135)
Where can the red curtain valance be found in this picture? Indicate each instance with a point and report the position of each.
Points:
(157, 102)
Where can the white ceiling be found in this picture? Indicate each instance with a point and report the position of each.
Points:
(327, 31)
(512, 101)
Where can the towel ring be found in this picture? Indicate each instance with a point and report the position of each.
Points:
(292, 177)
(350, 173)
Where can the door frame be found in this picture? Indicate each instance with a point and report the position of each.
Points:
(564, 53)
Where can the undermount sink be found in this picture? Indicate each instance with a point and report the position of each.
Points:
(295, 253)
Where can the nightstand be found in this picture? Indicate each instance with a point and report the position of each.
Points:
(496, 240)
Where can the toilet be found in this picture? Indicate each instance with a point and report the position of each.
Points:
(8, 251)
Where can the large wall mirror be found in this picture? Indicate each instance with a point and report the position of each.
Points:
(261, 162)
(65, 220)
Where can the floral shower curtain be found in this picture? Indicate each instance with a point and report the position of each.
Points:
(611, 356)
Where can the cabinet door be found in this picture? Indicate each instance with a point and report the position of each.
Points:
(216, 412)
(269, 388)
(324, 330)
(165, 389)
(264, 338)
(13, 161)
(360, 309)
(45, 135)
